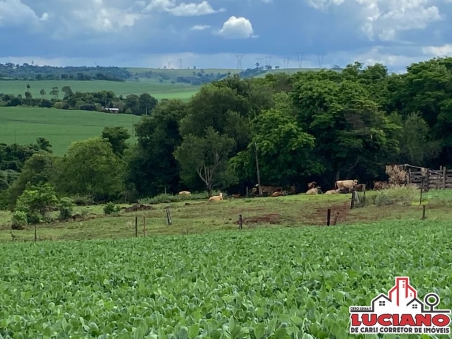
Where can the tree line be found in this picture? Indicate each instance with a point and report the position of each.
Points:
(66, 98)
(10, 71)
(321, 126)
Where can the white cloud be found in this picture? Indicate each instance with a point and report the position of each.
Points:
(183, 9)
(385, 18)
(438, 51)
(102, 18)
(15, 13)
(237, 28)
(199, 27)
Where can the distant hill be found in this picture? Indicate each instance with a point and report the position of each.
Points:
(189, 76)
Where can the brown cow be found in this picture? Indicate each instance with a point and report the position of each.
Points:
(279, 194)
(360, 187)
(312, 185)
(346, 184)
(379, 185)
(266, 190)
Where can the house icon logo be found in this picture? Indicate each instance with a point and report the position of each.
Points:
(400, 312)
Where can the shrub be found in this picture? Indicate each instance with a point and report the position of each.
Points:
(167, 198)
(81, 200)
(399, 195)
(65, 208)
(18, 220)
(111, 208)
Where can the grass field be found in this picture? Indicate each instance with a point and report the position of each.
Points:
(61, 127)
(180, 72)
(270, 280)
(156, 89)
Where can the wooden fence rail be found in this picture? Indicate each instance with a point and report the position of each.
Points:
(432, 179)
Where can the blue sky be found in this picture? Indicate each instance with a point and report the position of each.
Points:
(210, 33)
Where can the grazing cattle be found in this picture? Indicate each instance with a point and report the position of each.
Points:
(216, 197)
(266, 190)
(332, 192)
(379, 185)
(312, 185)
(184, 193)
(360, 187)
(279, 194)
(346, 184)
(314, 191)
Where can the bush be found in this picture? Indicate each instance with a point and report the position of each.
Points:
(399, 195)
(111, 208)
(167, 198)
(65, 208)
(18, 220)
(81, 200)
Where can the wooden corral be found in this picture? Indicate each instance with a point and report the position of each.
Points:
(428, 178)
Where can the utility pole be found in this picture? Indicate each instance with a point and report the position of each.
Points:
(257, 170)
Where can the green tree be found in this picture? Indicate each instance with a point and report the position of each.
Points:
(351, 132)
(117, 137)
(152, 166)
(90, 167)
(146, 104)
(206, 158)
(38, 169)
(44, 144)
(36, 201)
(284, 149)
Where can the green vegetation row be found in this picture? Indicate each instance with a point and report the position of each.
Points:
(274, 283)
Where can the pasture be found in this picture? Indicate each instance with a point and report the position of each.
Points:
(156, 89)
(23, 125)
(270, 280)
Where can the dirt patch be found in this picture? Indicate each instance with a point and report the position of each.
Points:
(339, 214)
(137, 207)
(273, 218)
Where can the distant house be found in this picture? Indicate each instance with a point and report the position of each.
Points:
(112, 110)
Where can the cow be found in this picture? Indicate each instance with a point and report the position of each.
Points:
(216, 197)
(312, 185)
(184, 193)
(266, 190)
(279, 194)
(314, 191)
(379, 185)
(346, 184)
(332, 192)
(360, 187)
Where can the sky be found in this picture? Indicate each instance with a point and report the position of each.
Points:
(219, 33)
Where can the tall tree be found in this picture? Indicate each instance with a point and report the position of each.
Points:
(117, 137)
(206, 158)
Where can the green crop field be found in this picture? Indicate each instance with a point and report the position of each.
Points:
(268, 283)
(156, 89)
(180, 72)
(61, 127)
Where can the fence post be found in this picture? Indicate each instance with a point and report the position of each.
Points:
(36, 234)
(328, 217)
(240, 222)
(136, 226)
(422, 189)
(247, 194)
(168, 217)
(335, 219)
(352, 203)
(144, 226)
(444, 177)
(423, 212)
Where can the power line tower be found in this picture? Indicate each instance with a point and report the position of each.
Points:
(239, 61)
(300, 59)
(320, 58)
(286, 62)
(268, 61)
(180, 63)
